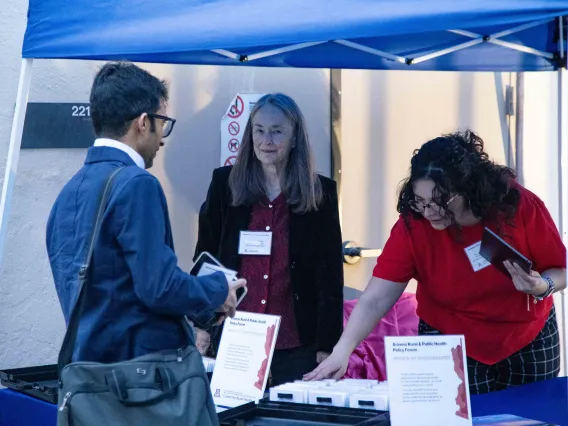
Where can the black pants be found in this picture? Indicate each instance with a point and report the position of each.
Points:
(539, 360)
(291, 364)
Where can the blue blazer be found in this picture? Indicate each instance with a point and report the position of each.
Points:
(137, 295)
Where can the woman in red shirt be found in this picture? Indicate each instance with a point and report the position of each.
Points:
(274, 190)
(510, 327)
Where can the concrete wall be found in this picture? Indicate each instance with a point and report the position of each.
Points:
(386, 115)
(31, 324)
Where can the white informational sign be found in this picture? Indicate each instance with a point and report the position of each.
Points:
(428, 383)
(243, 359)
(233, 126)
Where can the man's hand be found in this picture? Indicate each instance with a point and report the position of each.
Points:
(230, 306)
(202, 341)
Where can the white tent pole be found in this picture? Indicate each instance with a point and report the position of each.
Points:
(14, 150)
(563, 182)
(519, 127)
(563, 145)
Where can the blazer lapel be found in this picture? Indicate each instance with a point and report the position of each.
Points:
(236, 220)
(298, 228)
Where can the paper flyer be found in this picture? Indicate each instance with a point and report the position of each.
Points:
(243, 359)
(208, 269)
(428, 383)
(233, 126)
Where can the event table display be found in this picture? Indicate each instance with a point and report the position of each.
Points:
(543, 400)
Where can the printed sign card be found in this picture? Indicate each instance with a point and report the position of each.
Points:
(244, 357)
(428, 383)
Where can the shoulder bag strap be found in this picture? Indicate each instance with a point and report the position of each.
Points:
(68, 345)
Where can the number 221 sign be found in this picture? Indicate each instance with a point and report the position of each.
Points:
(57, 125)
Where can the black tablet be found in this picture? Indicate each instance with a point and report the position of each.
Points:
(206, 264)
(202, 259)
(496, 250)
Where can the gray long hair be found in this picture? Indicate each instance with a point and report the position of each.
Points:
(298, 179)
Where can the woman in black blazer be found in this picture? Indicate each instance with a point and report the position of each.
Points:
(273, 188)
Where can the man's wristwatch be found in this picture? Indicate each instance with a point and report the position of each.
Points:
(548, 292)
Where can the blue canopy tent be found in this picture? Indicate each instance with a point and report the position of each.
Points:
(443, 35)
(516, 35)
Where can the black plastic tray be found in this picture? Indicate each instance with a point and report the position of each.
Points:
(40, 382)
(266, 413)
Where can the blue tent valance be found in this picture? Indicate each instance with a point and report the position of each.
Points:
(479, 35)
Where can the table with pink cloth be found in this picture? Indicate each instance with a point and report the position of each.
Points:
(368, 359)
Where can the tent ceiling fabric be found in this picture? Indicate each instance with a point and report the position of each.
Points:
(209, 31)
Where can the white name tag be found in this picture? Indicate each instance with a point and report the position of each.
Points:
(255, 243)
(477, 261)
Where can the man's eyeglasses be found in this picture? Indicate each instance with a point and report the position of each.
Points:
(420, 207)
(168, 125)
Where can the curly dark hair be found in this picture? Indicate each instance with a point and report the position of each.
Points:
(457, 164)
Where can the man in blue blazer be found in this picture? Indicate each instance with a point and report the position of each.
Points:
(137, 295)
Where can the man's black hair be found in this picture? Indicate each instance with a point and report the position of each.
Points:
(121, 92)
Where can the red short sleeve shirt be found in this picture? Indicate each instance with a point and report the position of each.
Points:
(496, 319)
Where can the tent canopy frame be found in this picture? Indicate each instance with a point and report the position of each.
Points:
(494, 38)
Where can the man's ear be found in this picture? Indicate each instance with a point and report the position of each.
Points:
(142, 123)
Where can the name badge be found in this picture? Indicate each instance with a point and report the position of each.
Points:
(477, 261)
(255, 243)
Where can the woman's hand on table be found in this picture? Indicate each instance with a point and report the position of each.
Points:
(333, 367)
(532, 283)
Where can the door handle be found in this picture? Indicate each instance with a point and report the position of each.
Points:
(353, 252)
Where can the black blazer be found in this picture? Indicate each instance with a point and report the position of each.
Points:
(316, 255)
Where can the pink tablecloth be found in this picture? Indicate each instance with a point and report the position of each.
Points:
(368, 359)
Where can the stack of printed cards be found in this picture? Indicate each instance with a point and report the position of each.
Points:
(353, 393)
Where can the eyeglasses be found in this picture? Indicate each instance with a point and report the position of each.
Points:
(168, 125)
(420, 207)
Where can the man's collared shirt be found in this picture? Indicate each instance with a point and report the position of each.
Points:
(111, 143)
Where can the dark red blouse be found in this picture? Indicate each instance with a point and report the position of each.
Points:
(268, 277)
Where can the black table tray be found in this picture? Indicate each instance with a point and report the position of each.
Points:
(266, 413)
(40, 382)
